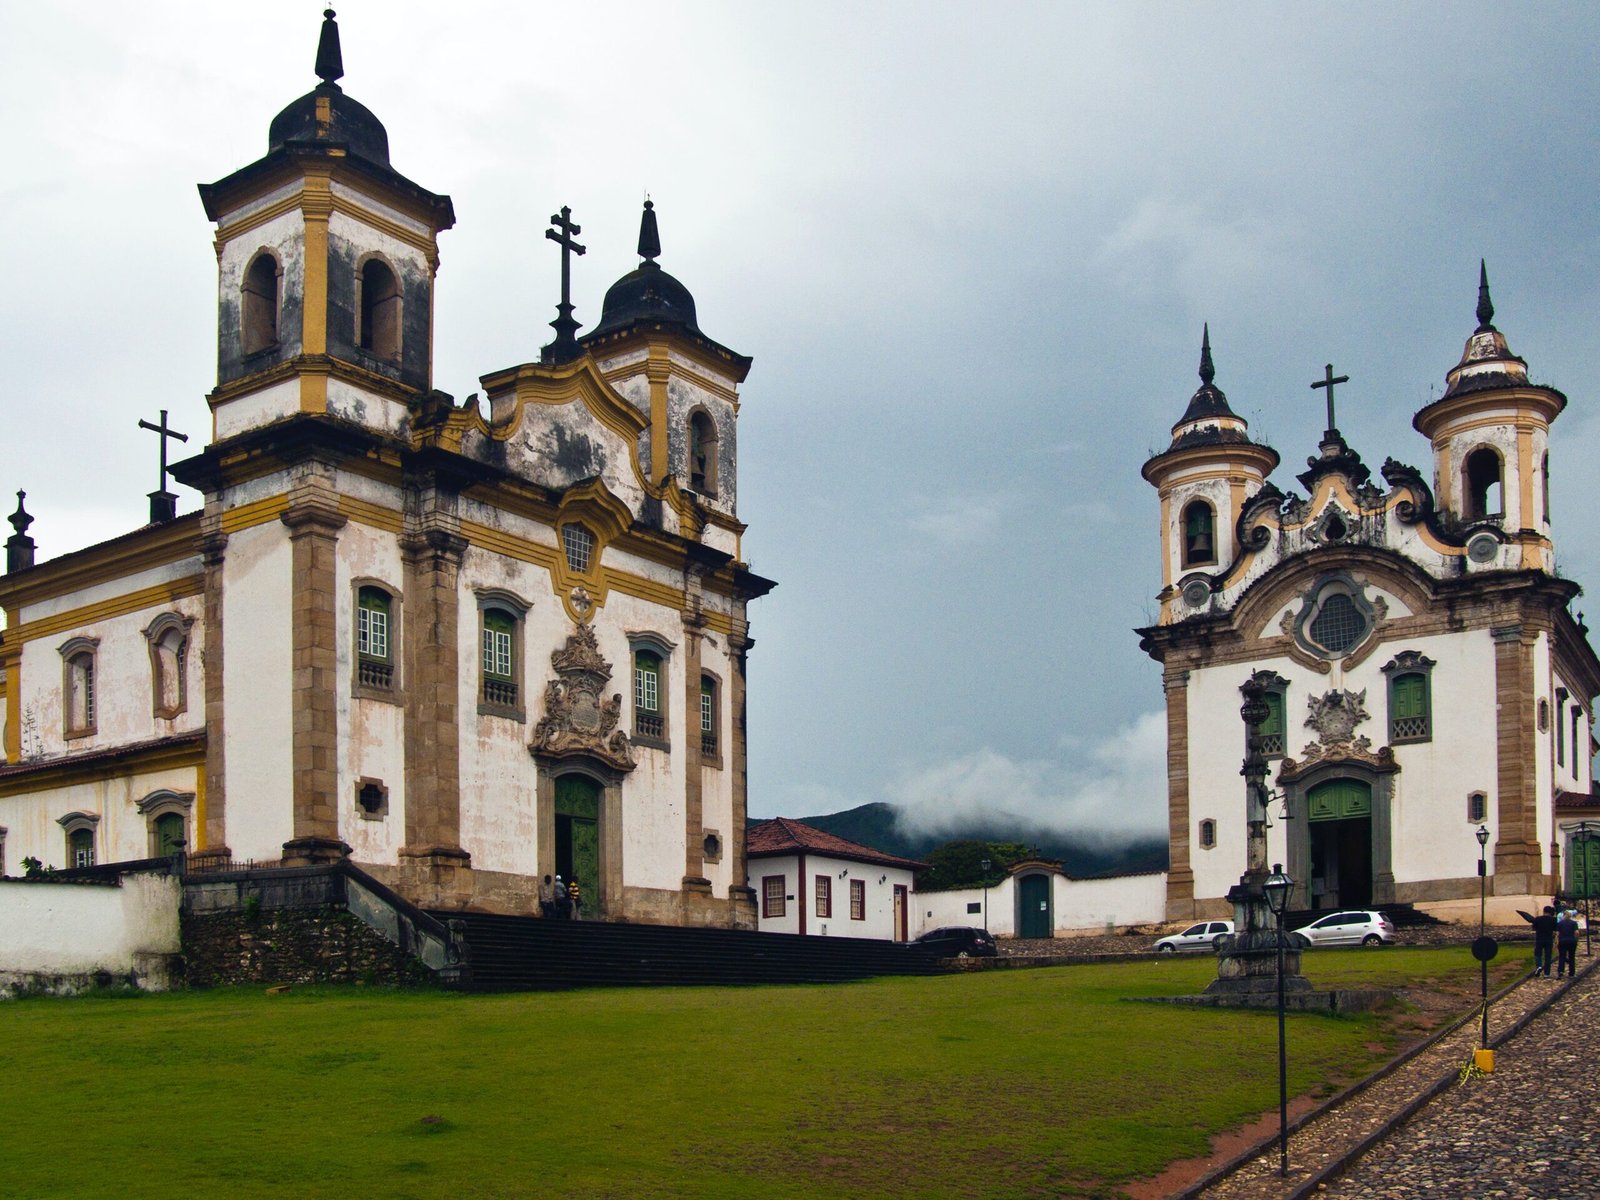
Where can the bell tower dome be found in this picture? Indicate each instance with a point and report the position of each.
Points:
(326, 257)
(1204, 479)
(1491, 435)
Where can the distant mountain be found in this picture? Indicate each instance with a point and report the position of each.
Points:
(879, 826)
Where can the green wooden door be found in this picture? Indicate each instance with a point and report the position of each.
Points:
(1033, 899)
(1585, 868)
(578, 836)
(1339, 799)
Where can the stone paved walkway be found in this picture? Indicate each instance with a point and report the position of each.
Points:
(1524, 1133)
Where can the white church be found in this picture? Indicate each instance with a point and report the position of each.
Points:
(464, 645)
(1425, 676)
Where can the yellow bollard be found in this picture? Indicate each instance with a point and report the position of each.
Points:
(1484, 1061)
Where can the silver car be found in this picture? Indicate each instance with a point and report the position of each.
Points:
(1201, 936)
(1356, 927)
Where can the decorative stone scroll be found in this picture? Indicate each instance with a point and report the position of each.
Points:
(578, 719)
(1334, 717)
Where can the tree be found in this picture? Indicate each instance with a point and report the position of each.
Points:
(960, 864)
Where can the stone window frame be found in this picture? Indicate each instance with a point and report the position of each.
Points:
(367, 684)
(575, 548)
(252, 339)
(79, 822)
(493, 701)
(379, 810)
(774, 898)
(369, 324)
(79, 667)
(155, 634)
(1410, 664)
(655, 733)
(1206, 838)
(1561, 726)
(700, 428)
(1477, 807)
(165, 802)
(1316, 598)
(710, 741)
(1274, 743)
(1191, 557)
(711, 846)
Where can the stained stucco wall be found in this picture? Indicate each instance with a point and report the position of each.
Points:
(69, 929)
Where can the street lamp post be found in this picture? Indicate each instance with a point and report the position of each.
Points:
(1484, 948)
(1277, 887)
(985, 865)
(1588, 883)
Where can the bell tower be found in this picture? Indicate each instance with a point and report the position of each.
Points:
(326, 259)
(1204, 479)
(1491, 436)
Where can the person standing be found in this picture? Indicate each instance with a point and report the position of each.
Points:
(547, 897)
(575, 897)
(1567, 944)
(563, 902)
(1544, 936)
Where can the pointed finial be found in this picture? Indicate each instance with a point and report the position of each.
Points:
(20, 520)
(330, 64)
(649, 237)
(1207, 371)
(1485, 306)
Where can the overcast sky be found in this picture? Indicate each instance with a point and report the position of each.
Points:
(969, 246)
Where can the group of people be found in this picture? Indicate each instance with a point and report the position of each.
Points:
(1555, 929)
(561, 898)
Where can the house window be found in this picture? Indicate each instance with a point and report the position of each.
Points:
(708, 717)
(1477, 808)
(1483, 493)
(858, 899)
(1409, 716)
(1199, 534)
(168, 638)
(166, 815)
(578, 542)
(1335, 619)
(379, 334)
(1272, 732)
(374, 644)
(372, 799)
(1337, 625)
(702, 453)
(169, 835)
(258, 305)
(649, 722)
(80, 829)
(711, 847)
(2, 851)
(1208, 834)
(772, 895)
(824, 896)
(1577, 753)
(499, 657)
(78, 686)
(1561, 727)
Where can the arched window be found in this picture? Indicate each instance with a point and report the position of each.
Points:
(258, 305)
(1484, 494)
(166, 815)
(703, 453)
(1199, 533)
(1208, 834)
(80, 830)
(374, 643)
(1410, 697)
(379, 334)
(649, 716)
(168, 636)
(78, 699)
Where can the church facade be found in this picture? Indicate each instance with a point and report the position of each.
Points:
(465, 645)
(1424, 676)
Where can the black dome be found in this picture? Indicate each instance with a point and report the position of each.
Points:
(647, 294)
(350, 124)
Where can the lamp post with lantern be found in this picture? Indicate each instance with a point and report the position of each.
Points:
(1484, 948)
(1277, 887)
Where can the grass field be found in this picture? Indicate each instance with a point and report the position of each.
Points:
(999, 1084)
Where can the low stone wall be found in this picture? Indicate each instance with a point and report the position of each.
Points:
(292, 945)
(63, 937)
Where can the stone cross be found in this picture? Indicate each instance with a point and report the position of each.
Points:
(1327, 381)
(165, 433)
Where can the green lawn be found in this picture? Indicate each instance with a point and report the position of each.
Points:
(1000, 1084)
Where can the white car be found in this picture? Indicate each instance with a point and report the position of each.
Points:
(1201, 936)
(1362, 927)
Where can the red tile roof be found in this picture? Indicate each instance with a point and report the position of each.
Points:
(784, 836)
(1566, 801)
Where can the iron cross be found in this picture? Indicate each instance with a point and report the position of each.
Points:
(564, 325)
(165, 434)
(1327, 381)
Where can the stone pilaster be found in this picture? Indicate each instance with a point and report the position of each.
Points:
(431, 650)
(213, 551)
(740, 894)
(694, 624)
(1516, 849)
(1180, 872)
(314, 520)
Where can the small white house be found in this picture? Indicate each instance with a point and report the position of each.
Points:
(810, 882)
(1037, 899)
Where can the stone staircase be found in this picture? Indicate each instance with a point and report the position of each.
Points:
(510, 954)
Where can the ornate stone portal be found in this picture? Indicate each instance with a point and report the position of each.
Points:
(578, 719)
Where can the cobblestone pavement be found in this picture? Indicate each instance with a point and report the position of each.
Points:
(1525, 1133)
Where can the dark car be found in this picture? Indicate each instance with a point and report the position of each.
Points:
(958, 941)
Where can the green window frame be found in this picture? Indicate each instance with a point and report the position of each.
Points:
(170, 837)
(499, 657)
(374, 638)
(80, 847)
(709, 745)
(1410, 710)
(647, 717)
